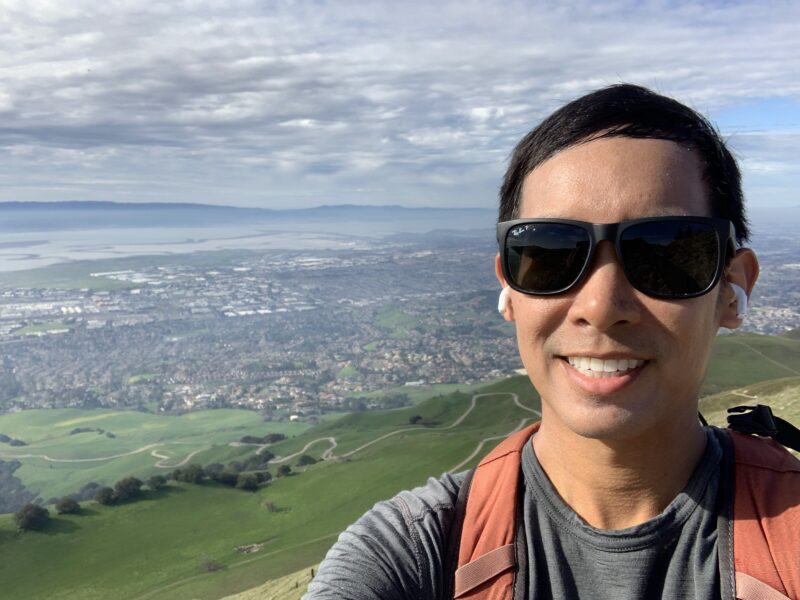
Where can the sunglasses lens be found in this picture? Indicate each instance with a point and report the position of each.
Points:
(670, 259)
(546, 258)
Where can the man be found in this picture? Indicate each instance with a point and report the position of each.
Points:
(622, 490)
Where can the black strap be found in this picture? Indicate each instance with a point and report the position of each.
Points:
(724, 509)
(759, 420)
(450, 563)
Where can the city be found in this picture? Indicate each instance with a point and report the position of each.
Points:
(290, 334)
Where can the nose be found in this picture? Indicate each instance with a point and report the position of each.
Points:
(605, 298)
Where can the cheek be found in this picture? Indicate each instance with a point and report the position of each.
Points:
(537, 322)
(692, 324)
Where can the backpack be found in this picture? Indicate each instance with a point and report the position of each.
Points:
(759, 545)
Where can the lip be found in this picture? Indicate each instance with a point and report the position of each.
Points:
(603, 385)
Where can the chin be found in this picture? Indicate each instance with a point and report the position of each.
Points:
(607, 423)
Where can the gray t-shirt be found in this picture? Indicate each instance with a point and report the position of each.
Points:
(395, 551)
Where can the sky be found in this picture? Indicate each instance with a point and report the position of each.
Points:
(291, 104)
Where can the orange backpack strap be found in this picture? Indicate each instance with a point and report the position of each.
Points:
(486, 554)
(766, 519)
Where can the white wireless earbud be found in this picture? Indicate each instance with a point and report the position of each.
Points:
(502, 301)
(741, 300)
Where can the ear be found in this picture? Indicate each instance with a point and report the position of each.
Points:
(505, 307)
(742, 271)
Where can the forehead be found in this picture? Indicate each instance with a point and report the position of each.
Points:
(614, 179)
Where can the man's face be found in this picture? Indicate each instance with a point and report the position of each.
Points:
(604, 318)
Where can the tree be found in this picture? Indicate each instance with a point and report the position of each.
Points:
(228, 477)
(156, 482)
(415, 419)
(213, 470)
(68, 506)
(264, 476)
(284, 470)
(127, 488)
(306, 460)
(247, 481)
(105, 495)
(31, 517)
(191, 474)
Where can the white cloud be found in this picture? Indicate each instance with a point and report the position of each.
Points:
(261, 103)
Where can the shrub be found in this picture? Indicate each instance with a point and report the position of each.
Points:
(247, 481)
(213, 470)
(306, 460)
(127, 488)
(105, 495)
(32, 517)
(264, 476)
(284, 470)
(87, 492)
(209, 566)
(156, 482)
(228, 477)
(190, 474)
(68, 506)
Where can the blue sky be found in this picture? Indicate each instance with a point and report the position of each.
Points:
(298, 103)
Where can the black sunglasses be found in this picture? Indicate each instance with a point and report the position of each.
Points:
(663, 257)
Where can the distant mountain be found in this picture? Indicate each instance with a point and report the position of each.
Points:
(54, 216)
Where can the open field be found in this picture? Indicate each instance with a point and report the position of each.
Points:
(417, 393)
(168, 536)
(56, 462)
(745, 358)
(781, 395)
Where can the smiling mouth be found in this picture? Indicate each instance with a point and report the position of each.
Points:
(603, 368)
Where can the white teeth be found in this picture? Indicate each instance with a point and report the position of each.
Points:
(597, 367)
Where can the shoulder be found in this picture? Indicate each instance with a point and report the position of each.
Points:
(395, 549)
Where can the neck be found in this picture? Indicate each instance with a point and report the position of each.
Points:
(615, 484)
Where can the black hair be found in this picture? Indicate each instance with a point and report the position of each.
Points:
(626, 110)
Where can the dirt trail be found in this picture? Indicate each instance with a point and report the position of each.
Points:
(328, 454)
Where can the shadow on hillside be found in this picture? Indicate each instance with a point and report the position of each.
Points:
(167, 490)
(7, 536)
(58, 526)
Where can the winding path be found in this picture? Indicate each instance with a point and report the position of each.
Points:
(163, 459)
(328, 454)
(154, 453)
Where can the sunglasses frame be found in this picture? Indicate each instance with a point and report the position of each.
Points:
(612, 232)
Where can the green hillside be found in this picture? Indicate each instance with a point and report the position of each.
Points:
(182, 542)
(55, 463)
(781, 395)
(289, 587)
(115, 444)
(745, 358)
(162, 546)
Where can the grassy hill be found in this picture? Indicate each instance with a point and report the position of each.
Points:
(115, 444)
(56, 462)
(742, 359)
(164, 545)
(182, 542)
(290, 587)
